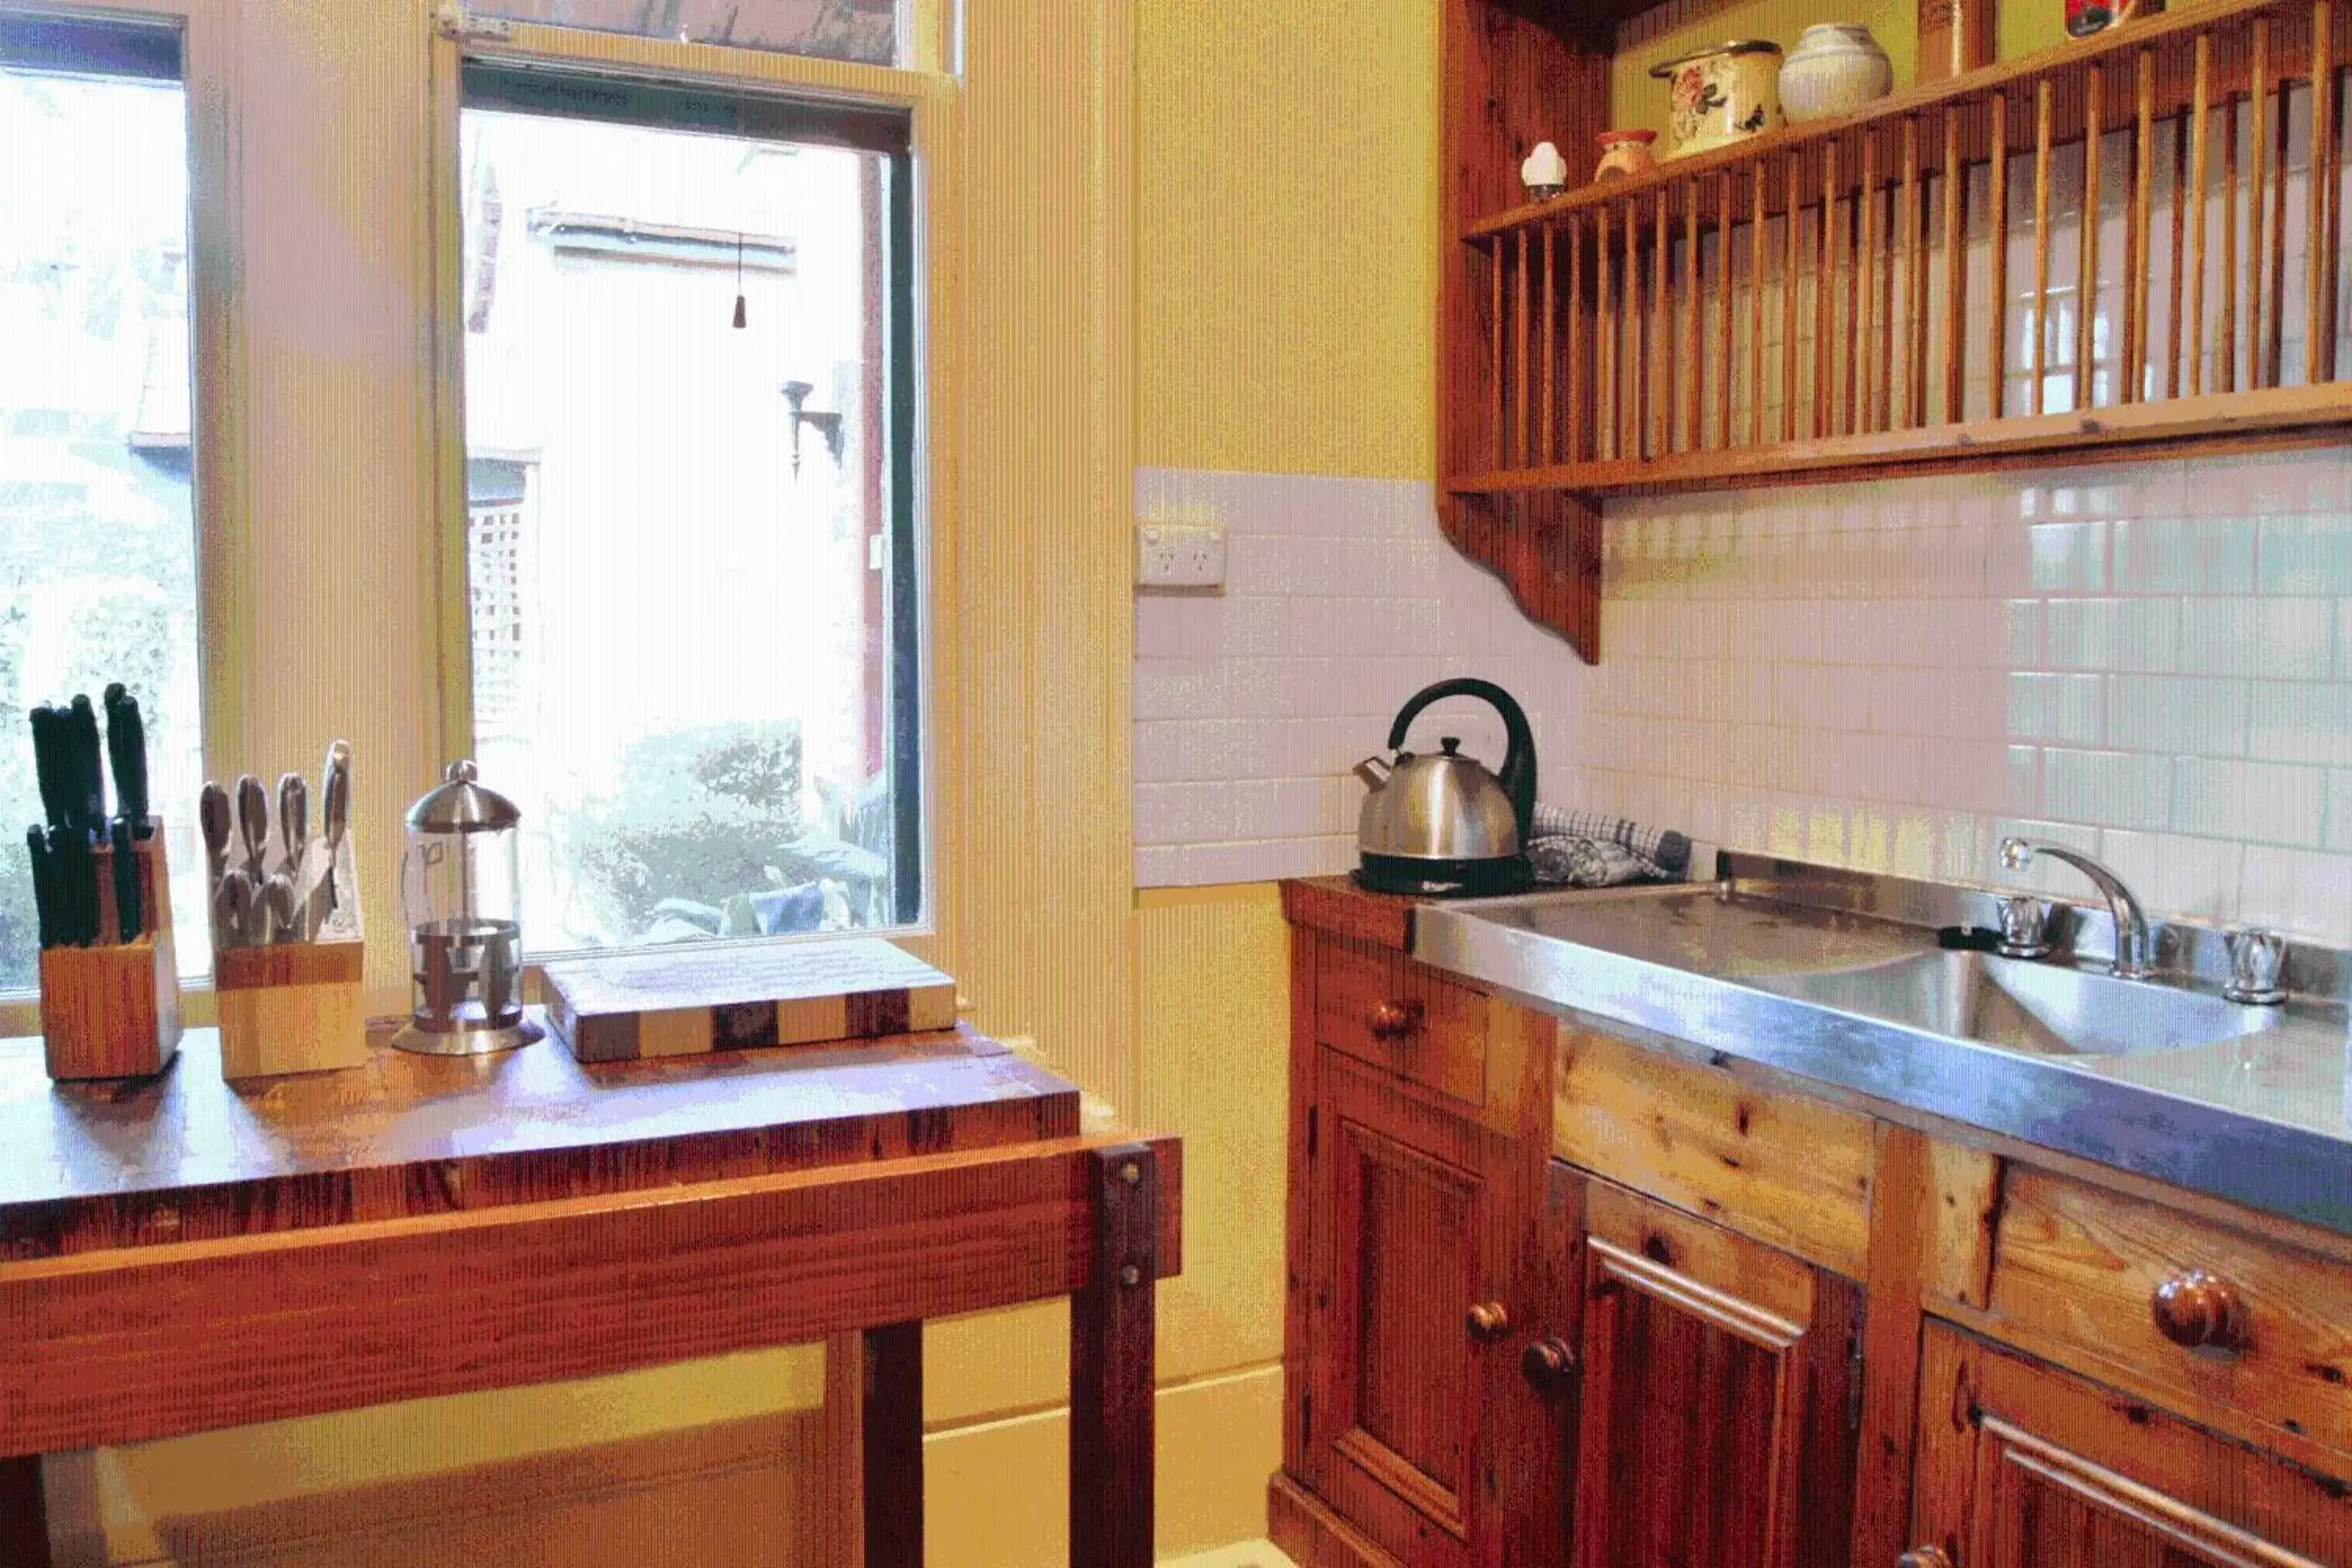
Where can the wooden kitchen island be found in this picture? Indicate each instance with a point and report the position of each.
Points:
(179, 1254)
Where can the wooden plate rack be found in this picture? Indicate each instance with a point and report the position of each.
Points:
(1911, 286)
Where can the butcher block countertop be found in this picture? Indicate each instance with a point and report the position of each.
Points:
(185, 1156)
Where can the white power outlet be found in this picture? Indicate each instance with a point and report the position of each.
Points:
(1180, 554)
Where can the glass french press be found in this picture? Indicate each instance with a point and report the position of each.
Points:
(460, 894)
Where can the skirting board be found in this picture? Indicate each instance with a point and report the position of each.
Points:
(741, 1492)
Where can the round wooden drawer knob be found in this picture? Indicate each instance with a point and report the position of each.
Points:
(2201, 1311)
(1925, 1557)
(1488, 1321)
(1394, 1021)
(1547, 1364)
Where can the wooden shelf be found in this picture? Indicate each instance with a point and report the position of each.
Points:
(2217, 422)
(1907, 289)
(1971, 92)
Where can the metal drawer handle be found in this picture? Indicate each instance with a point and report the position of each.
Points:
(1549, 1366)
(1395, 1020)
(1488, 1321)
(1924, 1557)
(2199, 1310)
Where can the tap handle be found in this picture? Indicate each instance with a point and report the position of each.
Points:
(2256, 960)
(2024, 926)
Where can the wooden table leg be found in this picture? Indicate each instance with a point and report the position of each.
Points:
(24, 1514)
(1112, 1335)
(893, 1442)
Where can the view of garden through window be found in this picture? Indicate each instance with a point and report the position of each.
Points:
(98, 539)
(680, 543)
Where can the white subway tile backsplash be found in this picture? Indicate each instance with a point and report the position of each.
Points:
(2151, 662)
(2283, 639)
(2255, 802)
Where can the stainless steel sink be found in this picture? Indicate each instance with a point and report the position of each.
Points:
(2031, 1006)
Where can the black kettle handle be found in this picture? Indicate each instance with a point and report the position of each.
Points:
(1517, 773)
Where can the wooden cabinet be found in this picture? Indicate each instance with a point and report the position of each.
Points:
(1561, 1299)
(1409, 1281)
(2025, 1466)
(1721, 1396)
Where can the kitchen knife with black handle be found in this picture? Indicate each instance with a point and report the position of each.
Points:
(88, 777)
(126, 750)
(49, 766)
(44, 886)
(128, 918)
(77, 883)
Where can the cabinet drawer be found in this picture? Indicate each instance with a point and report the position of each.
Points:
(1381, 1007)
(2096, 1279)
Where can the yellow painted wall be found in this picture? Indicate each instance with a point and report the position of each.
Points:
(1287, 195)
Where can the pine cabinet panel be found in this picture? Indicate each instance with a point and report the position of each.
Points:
(1716, 1419)
(2025, 1466)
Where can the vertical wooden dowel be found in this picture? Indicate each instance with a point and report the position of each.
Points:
(2330, 240)
(1791, 171)
(1547, 437)
(1693, 304)
(1519, 367)
(1755, 259)
(1882, 409)
(2225, 366)
(1495, 345)
(2257, 206)
(1573, 438)
(1955, 268)
(1722, 309)
(2199, 144)
(2176, 293)
(2274, 341)
(1865, 397)
(1661, 335)
(1605, 330)
(1636, 363)
(1825, 269)
(2086, 275)
(2044, 116)
(1915, 357)
(1997, 198)
(2142, 260)
(2323, 147)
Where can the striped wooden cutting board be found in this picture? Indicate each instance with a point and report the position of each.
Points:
(683, 1001)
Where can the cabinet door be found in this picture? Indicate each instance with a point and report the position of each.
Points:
(1408, 1307)
(2025, 1466)
(1717, 1423)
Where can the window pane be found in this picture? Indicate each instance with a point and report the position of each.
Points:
(687, 548)
(865, 30)
(98, 558)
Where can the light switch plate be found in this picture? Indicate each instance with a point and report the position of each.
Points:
(1180, 554)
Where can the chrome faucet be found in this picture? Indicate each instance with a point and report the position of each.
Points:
(2132, 946)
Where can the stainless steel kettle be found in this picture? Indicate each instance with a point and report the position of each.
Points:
(1443, 825)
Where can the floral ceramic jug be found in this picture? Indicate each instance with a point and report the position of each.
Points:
(1721, 95)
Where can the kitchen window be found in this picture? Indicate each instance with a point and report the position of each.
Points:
(691, 547)
(97, 530)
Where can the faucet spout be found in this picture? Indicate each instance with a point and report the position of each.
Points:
(2134, 957)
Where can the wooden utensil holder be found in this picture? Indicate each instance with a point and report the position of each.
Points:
(292, 1007)
(112, 1009)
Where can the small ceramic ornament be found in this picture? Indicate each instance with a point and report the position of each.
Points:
(1722, 94)
(1835, 68)
(1623, 155)
(1545, 172)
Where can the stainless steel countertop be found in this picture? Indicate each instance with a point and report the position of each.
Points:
(2263, 1120)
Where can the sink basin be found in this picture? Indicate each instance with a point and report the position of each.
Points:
(2042, 1007)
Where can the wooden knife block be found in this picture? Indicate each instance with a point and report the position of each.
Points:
(293, 1007)
(112, 1010)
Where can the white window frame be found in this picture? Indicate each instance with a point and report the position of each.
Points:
(242, 686)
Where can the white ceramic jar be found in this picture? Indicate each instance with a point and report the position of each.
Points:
(1721, 95)
(1835, 68)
